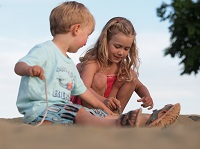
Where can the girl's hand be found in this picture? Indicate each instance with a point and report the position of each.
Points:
(112, 103)
(35, 71)
(147, 102)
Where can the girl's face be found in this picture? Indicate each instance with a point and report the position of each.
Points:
(119, 47)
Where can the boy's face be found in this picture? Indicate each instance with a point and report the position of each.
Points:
(82, 36)
(119, 47)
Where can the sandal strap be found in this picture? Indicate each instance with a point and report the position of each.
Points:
(158, 113)
(125, 119)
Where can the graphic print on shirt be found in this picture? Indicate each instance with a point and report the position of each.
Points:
(65, 84)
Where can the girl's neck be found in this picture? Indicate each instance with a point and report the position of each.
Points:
(111, 69)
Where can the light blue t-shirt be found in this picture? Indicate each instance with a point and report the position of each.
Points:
(62, 79)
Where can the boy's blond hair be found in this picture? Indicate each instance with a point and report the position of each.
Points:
(67, 14)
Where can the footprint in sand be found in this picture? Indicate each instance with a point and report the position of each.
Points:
(195, 118)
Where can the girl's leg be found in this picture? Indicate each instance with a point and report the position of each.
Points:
(125, 92)
(99, 83)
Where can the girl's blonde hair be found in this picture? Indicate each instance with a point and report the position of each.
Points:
(67, 14)
(99, 52)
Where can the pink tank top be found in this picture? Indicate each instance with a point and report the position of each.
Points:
(110, 80)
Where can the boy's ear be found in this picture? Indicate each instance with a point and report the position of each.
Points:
(75, 29)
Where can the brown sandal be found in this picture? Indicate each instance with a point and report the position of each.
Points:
(165, 116)
(130, 119)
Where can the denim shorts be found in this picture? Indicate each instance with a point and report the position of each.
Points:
(66, 113)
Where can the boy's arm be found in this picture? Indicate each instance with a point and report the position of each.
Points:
(89, 98)
(22, 69)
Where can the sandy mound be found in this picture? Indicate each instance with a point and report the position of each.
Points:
(184, 134)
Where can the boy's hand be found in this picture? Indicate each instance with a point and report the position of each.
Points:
(35, 71)
(112, 103)
(147, 102)
(109, 112)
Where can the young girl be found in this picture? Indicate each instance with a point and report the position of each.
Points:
(110, 68)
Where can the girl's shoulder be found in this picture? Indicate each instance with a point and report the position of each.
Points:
(92, 64)
(134, 73)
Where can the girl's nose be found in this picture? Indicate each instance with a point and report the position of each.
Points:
(120, 51)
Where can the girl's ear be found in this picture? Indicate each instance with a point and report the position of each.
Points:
(75, 29)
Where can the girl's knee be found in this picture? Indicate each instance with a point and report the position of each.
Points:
(99, 81)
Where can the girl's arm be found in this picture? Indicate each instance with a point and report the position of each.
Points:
(141, 90)
(144, 94)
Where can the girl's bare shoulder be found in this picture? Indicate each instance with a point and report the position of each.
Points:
(92, 65)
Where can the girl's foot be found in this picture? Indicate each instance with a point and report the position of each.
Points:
(165, 116)
(130, 119)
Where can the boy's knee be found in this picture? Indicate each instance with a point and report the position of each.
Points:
(81, 115)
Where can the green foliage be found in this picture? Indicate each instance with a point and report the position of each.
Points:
(184, 18)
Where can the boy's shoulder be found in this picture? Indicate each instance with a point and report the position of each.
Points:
(43, 44)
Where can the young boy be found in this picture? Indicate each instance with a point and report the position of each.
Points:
(48, 72)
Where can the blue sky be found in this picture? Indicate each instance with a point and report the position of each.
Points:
(26, 23)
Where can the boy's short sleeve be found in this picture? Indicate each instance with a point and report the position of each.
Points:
(36, 55)
(79, 86)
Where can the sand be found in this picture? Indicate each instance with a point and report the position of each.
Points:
(183, 134)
